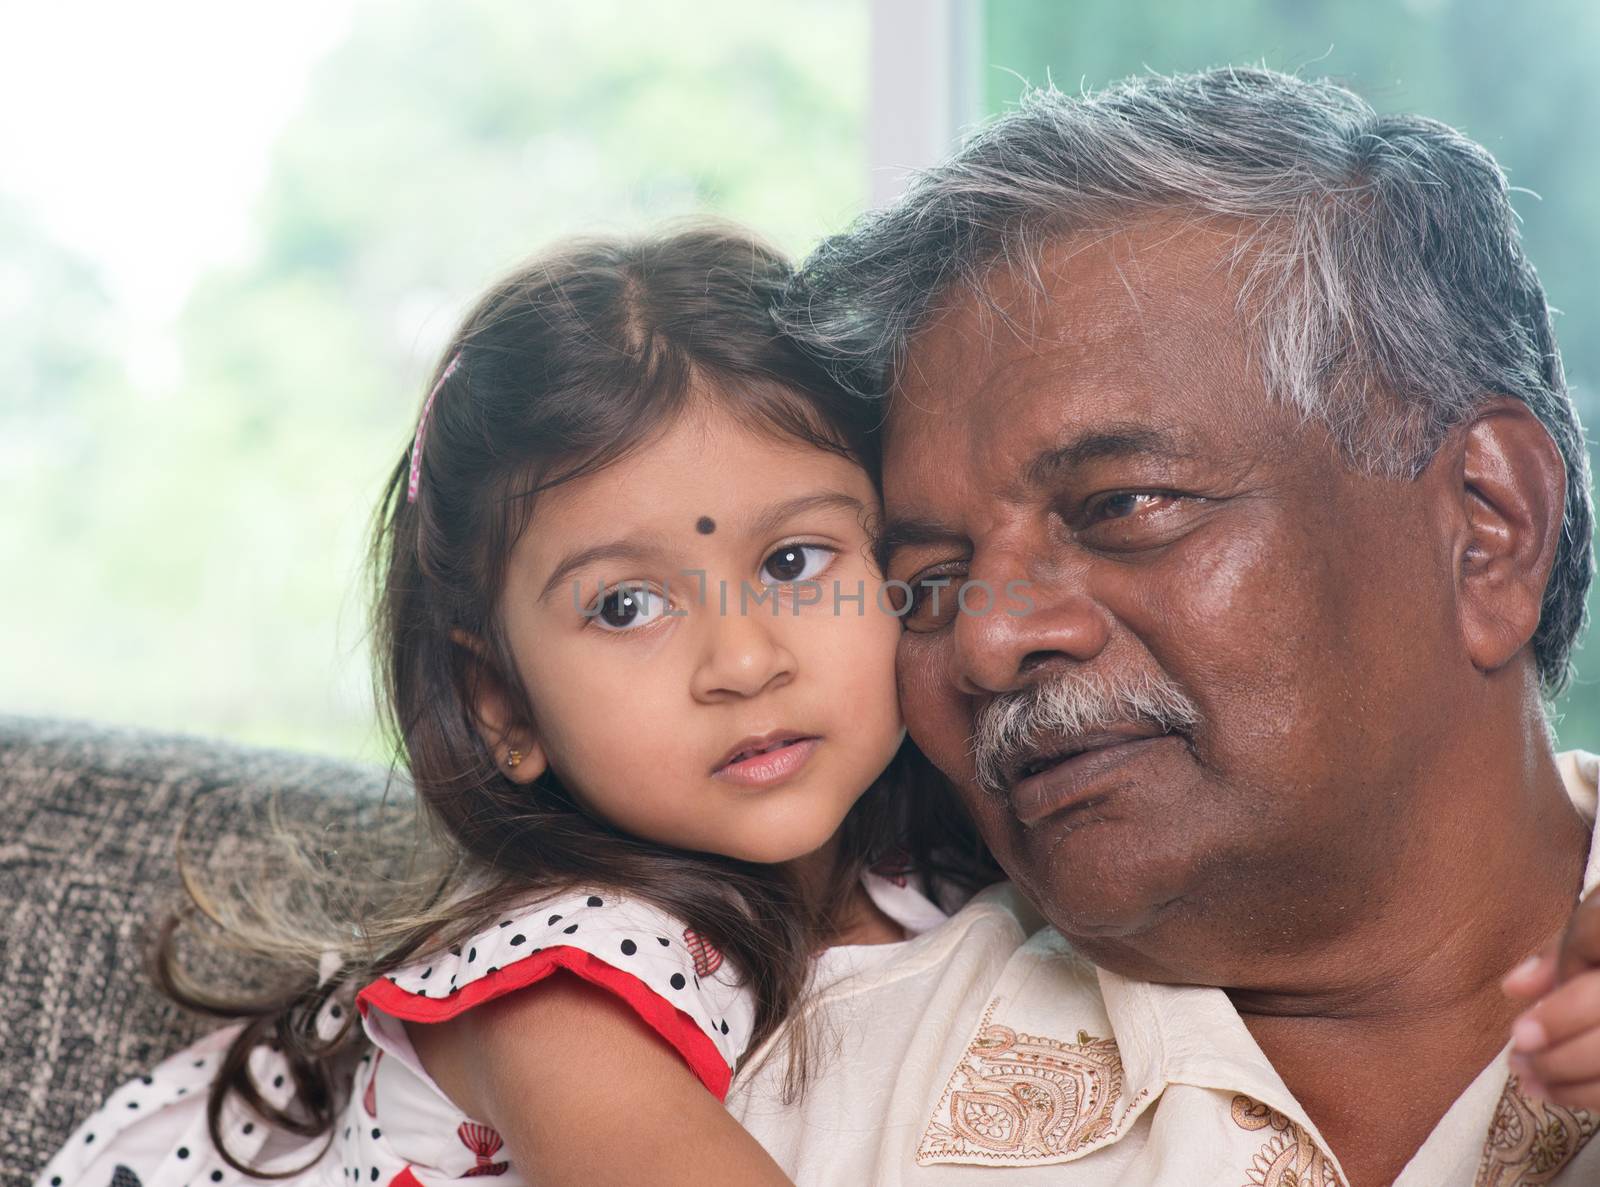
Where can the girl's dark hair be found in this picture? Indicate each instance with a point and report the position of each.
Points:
(565, 366)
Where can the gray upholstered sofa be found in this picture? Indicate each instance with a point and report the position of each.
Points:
(88, 814)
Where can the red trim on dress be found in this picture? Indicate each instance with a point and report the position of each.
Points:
(405, 1179)
(672, 1024)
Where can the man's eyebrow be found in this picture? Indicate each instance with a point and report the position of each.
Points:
(1111, 441)
(829, 500)
(905, 532)
(613, 550)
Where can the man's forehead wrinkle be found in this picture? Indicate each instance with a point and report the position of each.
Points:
(1021, 290)
(1135, 262)
(1161, 246)
(898, 393)
(1014, 296)
(1017, 309)
(1140, 327)
(1014, 303)
(939, 355)
(1122, 268)
(1173, 287)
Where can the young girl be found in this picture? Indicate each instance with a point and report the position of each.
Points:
(638, 657)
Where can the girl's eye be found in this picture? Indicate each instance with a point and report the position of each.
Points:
(795, 562)
(627, 608)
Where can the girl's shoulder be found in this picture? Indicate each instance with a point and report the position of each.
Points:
(676, 981)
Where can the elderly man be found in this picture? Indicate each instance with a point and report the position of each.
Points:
(1253, 395)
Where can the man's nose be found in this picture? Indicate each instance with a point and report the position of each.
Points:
(1025, 624)
(742, 653)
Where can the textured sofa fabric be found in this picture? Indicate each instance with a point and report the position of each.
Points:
(88, 817)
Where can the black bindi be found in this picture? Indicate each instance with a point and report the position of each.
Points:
(705, 525)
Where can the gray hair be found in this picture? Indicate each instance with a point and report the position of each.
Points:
(1390, 291)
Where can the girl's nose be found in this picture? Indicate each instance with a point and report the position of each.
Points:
(744, 654)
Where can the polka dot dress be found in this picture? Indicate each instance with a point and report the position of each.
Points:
(153, 1129)
(398, 1127)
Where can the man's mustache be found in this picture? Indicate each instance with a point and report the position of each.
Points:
(1053, 716)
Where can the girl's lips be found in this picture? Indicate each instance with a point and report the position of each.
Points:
(772, 767)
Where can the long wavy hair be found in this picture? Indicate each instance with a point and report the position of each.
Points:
(565, 366)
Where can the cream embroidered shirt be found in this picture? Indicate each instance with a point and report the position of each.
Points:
(987, 1044)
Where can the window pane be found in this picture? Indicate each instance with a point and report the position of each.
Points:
(200, 404)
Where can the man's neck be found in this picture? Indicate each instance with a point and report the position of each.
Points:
(1407, 1008)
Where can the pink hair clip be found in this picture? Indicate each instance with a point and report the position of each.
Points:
(422, 425)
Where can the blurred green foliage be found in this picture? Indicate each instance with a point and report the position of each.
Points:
(1519, 79)
(188, 558)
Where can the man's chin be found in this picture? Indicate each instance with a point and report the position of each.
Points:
(1103, 883)
(1094, 921)
(1098, 925)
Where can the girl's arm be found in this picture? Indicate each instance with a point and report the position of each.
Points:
(583, 1092)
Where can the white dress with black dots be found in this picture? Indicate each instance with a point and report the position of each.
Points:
(399, 1128)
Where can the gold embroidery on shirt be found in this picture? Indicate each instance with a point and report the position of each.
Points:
(1530, 1141)
(1021, 1096)
(1290, 1158)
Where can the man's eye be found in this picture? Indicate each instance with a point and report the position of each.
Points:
(795, 562)
(1126, 503)
(626, 608)
(931, 602)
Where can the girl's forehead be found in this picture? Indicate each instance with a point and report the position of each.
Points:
(707, 479)
(705, 467)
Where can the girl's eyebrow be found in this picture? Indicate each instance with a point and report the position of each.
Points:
(647, 550)
(830, 500)
(629, 549)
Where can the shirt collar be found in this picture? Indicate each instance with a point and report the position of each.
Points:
(1187, 1034)
(1181, 1034)
(1580, 773)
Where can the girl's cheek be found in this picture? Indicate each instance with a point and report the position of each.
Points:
(870, 662)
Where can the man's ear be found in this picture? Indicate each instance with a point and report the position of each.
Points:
(492, 711)
(1512, 486)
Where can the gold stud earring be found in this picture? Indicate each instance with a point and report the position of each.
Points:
(513, 758)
